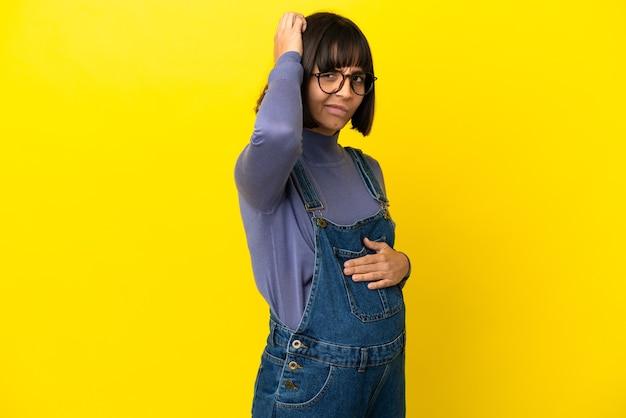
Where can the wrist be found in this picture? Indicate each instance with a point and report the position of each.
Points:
(408, 272)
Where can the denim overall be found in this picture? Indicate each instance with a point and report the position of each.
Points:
(346, 359)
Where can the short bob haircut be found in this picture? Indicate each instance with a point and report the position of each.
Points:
(331, 42)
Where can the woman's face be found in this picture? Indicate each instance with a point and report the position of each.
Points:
(332, 111)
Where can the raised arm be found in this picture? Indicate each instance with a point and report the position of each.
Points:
(262, 169)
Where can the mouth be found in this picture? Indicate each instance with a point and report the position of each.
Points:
(337, 110)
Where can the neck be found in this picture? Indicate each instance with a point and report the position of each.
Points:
(319, 148)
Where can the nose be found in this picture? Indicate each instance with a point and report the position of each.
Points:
(346, 89)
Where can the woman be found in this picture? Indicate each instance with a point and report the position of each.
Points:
(319, 232)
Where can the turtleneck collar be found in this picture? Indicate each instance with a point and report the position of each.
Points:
(322, 150)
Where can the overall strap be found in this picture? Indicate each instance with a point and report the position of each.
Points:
(305, 188)
(367, 174)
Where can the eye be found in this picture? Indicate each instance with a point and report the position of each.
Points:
(358, 78)
(328, 76)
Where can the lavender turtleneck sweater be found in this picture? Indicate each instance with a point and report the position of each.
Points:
(278, 229)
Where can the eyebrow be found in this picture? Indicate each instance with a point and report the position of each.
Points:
(357, 70)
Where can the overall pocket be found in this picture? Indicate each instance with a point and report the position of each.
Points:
(304, 382)
(366, 304)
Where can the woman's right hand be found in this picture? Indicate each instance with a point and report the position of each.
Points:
(289, 34)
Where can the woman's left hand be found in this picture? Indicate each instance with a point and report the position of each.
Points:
(386, 268)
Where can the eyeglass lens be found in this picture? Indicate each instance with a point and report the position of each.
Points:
(331, 82)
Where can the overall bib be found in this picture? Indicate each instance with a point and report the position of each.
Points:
(346, 359)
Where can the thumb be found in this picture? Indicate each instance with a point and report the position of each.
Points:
(375, 245)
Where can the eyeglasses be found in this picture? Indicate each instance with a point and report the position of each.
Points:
(362, 83)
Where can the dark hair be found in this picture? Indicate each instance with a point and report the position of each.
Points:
(331, 41)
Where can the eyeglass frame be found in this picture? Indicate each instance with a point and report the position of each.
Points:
(343, 80)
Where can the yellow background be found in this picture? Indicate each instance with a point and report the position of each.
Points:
(125, 283)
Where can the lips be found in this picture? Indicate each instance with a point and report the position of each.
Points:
(337, 110)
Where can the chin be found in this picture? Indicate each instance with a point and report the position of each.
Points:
(334, 127)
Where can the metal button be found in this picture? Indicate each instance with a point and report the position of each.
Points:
(321, 222)
(297, 344)
(290, 385)
(294, 366)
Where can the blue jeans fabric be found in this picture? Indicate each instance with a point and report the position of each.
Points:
(346, 359)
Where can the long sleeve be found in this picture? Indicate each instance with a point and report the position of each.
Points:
(263, 167)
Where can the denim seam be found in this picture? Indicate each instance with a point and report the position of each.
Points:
(272, 359)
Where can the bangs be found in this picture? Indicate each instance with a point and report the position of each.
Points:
(343, 47)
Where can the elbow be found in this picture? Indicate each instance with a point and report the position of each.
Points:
(280, 134)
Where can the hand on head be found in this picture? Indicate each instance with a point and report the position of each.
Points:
(289, 34)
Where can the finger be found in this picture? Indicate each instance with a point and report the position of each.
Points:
(380, 284)
(282, 23)
(365, 264)
(358, 262)
(287, 21)
(373, 276)
(300, 22)
(383, 278)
